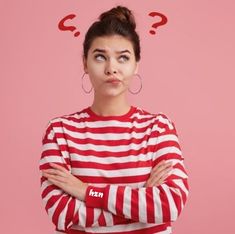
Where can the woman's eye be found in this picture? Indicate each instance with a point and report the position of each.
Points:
(124, 58)
(99, 57)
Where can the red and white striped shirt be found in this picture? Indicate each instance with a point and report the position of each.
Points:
(115, 156)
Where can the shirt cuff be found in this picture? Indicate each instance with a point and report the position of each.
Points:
(97, 197)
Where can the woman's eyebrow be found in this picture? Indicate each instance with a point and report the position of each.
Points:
(103, 51)
(98, 50)
(123, 51)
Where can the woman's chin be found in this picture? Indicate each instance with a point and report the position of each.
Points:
(111, 93)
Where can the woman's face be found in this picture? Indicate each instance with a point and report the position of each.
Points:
(110, 57)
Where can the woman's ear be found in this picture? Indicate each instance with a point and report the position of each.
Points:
(137, 68)
(84, 64)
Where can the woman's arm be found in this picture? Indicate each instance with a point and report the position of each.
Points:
(63, 208)
(156, 204)
(70, 184)
(119, 204)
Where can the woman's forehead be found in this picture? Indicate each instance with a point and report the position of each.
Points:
(114, 43)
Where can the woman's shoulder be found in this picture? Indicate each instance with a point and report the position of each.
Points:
(160, 118)
(58, 121)
(69, 116)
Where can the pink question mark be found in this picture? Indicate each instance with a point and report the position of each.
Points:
(62, 27)
(162, 22)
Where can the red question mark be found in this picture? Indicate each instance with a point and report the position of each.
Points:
(162, 22)
(62, 27)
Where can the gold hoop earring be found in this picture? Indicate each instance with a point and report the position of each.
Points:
(140, 85)
(83, 86)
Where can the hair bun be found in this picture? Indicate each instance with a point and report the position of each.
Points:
(120, 13)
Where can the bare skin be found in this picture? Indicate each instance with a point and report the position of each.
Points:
(110, 57)
(62, 178)
(159, 173)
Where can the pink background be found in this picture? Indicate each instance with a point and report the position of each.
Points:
(187, 71)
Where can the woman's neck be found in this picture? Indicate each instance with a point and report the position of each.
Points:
(110, 106)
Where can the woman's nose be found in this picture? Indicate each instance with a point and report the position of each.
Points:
(110, 68)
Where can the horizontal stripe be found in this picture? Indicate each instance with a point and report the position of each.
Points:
(106, 153)
(110, 173)
(108, 160)
(167, 150)
(128, 180)
(116, 157)
(99, 148)
(112, 166)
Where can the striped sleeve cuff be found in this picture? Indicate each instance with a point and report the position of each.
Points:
(97, 197)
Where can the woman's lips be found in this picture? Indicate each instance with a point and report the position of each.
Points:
(113, 81)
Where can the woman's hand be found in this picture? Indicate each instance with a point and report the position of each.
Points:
(62, 178)
(159, 173)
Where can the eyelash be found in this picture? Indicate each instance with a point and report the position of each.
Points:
(122, 56)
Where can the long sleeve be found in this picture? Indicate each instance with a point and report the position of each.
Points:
(64, 209)
(157, 204)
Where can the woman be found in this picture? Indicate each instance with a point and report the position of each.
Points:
(112, 167)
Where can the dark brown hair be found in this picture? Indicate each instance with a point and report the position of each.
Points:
(117, 21)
